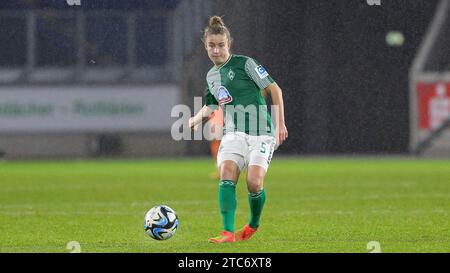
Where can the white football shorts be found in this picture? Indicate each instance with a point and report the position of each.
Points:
(246, 150)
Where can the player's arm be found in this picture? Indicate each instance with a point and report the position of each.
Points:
(201, 116)
(277, 99)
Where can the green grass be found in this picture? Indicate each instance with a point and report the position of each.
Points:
(313, 205)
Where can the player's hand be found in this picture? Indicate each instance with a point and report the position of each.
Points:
(191, 124)
(282, 134)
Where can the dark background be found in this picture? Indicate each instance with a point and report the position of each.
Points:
(345, 89)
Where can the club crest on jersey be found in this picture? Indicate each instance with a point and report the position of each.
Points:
(231, 74)
(262, 73)
(223, 96)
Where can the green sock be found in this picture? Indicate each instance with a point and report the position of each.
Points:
(227, 203)
(256, 201)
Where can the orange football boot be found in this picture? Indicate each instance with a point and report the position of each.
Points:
(225, 237)
(245, 233)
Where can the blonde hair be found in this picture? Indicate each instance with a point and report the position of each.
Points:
(216, 26)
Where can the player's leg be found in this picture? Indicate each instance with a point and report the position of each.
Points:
(259, 160)
(256, 193)
(230, 165)
(229, 175)
(256, 200)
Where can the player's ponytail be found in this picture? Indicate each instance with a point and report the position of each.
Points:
(216, 26)
(216, 21)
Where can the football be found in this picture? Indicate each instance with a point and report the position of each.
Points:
(160, 222)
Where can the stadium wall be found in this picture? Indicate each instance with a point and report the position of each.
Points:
(88, 121)
(123, 145)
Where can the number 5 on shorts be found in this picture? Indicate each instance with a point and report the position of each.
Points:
(263, 147)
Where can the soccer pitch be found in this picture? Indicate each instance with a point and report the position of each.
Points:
(313, 205)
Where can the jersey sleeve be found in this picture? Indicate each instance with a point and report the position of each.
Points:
(209, 98)
(258, 73)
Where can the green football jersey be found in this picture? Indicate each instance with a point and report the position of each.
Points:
(236, 87)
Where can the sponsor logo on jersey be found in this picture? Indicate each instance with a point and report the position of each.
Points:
(231, 74)
(262, 73)
(223, 96)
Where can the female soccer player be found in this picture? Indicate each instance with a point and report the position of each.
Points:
(235, 83)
